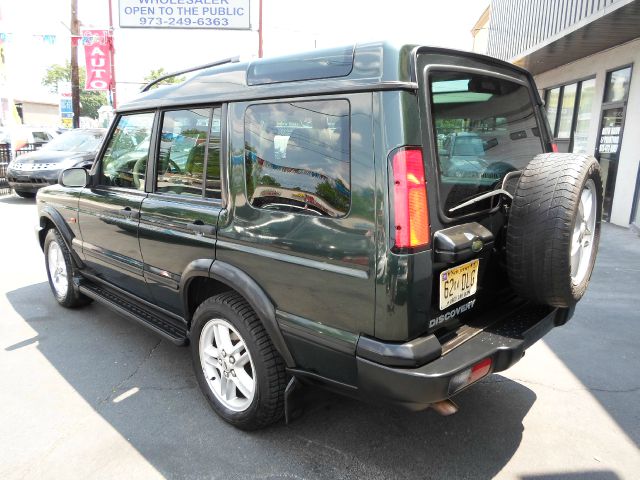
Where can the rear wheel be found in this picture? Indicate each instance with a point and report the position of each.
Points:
(25, 194)
(239, 370)
(554, 228)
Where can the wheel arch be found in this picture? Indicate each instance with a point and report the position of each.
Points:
(51, 218)
(205, 278)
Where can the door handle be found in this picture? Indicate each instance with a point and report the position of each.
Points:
(200, 227)
(128, 212)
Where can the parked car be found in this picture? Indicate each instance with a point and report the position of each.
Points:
(463, 155)
(320, 240)
(21, 136)
(34, 170)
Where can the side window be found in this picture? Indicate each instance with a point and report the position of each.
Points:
(297, 157)
(125, 160)
(185, 153)
(41, 137)
(213, 186)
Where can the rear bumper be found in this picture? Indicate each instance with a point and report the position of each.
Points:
(504, 343)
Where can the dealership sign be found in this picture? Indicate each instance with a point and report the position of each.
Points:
(216, 14)
(98, 60)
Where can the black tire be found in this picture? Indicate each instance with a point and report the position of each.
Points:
(25, 194)
(541, 223)
(71, 298)
(267, 405)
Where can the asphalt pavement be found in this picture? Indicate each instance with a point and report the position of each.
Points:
(88, 394)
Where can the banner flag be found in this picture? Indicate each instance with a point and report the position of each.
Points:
(98, 60)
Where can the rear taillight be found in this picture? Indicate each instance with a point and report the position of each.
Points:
(411, 213)
(470, 375)
(554, 147)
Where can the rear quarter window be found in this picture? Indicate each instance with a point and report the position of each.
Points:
(297, 157)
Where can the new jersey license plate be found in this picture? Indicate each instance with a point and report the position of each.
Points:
(458, 283)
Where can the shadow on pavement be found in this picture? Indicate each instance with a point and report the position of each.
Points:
(584, 475)
(168, 421)
(16, 200)
(600, 343)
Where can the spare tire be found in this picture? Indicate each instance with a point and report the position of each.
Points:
(553, 228)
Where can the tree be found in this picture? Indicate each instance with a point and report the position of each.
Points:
(90, 101)
(154, 74)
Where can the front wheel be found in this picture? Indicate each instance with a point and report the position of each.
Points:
(60, 271)
(25, 194)
(239, 370)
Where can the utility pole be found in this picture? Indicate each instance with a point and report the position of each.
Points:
(75, 77)
(112, 53)
(260, 30)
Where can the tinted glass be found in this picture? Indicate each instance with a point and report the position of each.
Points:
(76, 141)
(125, 160)
(566, 112)
(41, 137)
(583, 122)
(337, 62)
(553, 96)
(297, 157)
(617, 85)
(213, 187)
(487, 128)
(181, 158)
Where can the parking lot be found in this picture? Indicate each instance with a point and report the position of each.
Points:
(87, 394)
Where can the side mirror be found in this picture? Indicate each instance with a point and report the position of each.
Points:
(74, 177)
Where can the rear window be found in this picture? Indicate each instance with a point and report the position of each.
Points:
(485, 127)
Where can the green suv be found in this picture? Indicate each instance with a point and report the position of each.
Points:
(297, 221)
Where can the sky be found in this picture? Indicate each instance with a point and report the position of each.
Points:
(288, 26)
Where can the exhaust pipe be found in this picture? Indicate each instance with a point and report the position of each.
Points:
(445, 407)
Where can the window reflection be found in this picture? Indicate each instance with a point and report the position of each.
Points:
(182, 151)
(297, 157)
(125, 160)
(617, 85)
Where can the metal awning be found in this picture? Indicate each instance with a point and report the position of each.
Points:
(610, 27)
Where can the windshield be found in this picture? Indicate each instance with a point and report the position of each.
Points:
(485, 127)
(76, 141)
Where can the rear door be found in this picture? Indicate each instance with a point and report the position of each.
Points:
(483, 125)
(179, 216)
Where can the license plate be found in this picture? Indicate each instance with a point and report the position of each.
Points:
(458, 283)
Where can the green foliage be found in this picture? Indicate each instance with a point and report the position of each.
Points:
(331, 195)
(269, 181)
(90, 101)
(159, 73)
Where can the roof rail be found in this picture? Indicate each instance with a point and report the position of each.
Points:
(188, 70)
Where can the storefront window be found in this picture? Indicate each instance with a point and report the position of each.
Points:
(583, 122)
(566, 111)
(552, 107)
(617, 85)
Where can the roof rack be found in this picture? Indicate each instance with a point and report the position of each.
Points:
(188, 70)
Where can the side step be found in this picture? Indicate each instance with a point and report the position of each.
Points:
(159, 322)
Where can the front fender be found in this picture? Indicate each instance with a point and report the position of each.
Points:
(49, 215)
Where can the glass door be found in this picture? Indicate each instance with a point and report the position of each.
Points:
(611, 128)
(609, 153)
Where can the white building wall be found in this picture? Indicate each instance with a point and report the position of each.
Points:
(598, 65)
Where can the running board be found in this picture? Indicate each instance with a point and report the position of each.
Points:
(152, 319)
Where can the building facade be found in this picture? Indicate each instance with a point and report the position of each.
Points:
(583, 54)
